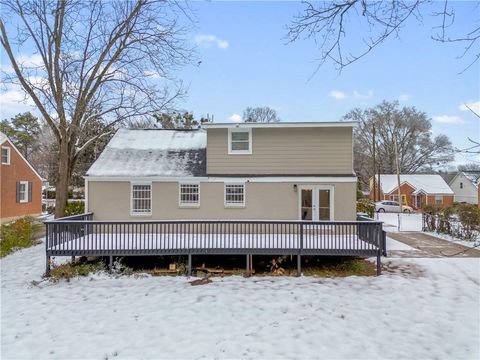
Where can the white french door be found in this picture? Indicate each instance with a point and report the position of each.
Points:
(316, 203)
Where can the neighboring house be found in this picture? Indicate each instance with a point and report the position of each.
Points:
(21, 185)
(417, 190)
(255, 171)
(465, 185)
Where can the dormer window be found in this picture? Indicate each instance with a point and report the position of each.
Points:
(239, 141)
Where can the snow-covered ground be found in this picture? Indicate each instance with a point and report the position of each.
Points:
(433, 313)
(408, 222)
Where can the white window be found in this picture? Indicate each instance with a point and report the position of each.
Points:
(189, 195)
(141, 199)
(239, 141)
(438, 199)
(5, 155)
(235, 195)
(23, 191)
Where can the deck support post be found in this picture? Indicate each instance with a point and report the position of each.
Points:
(299, 265)
(379, 263)
(248, 265)
(189, 265)
(73, 259)
(110, 264)
(47, 269)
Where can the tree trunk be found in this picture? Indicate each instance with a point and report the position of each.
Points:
(63, 180)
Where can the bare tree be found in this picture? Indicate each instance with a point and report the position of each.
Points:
(260, 114)
(93, 60)
(417, 150)
(329, 23)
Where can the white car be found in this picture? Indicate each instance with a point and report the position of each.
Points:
(391, 206)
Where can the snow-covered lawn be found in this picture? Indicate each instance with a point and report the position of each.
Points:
(432, 315)
(408, 222)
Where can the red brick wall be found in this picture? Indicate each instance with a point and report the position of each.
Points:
(18, 170)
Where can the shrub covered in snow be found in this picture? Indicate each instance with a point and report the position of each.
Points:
(459, 220)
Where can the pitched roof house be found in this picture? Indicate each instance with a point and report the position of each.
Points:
(417, 190)
(466, 185)
(21, 185)
(274, 171)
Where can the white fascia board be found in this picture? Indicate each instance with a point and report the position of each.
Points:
(264, 179)
(351, 124)
(23, 158)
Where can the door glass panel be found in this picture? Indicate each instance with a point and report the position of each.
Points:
(324, 204)
(306, 204)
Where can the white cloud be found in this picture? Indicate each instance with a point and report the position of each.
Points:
(14, 101)
(337, 94)
(209, 40)
(475, 106)
(358, 95)
(152, 74)
(235, 118)
(404, 97)
(448, 119)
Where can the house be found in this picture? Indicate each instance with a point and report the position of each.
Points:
(21, 185)
(416, 190)
(466, 185)
(224, 189)
(263, 171)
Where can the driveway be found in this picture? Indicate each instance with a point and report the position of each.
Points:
(429, 246)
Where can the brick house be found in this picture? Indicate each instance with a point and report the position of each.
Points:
(21, 185)
(416, 190)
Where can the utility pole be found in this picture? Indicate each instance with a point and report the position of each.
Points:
(399, 192)
(374, 170)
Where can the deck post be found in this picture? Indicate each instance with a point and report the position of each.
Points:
(299, 265)
(379, 263)
(110, 264)
(73, 259)
(47, 269)
(189, 265)
(248, 265)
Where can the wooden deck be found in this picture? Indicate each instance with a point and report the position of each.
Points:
(81, 236)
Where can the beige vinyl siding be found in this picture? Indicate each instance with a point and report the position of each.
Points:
(284, 151)
(110, 200)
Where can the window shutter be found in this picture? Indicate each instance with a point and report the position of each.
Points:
(29, 191)
(18, 191)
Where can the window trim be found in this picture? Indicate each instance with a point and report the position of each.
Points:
(132, 212)
(234, 205)
(25, 193)
(188, 205)
(438, 197)
(9, 151)
(239, 152)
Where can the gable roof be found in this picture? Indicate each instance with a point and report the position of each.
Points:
(156, 152)
(473, 176)
(4, 138)
(281, 124)
(430, 184)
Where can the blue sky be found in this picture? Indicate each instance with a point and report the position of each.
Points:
(246, 62)
(258, 68)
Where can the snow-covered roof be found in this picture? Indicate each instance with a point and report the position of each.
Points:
(473, 176)
(430, 184)
(159, 152)
(3, 137)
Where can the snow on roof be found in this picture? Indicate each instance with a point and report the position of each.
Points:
(3, 137)
(473, 176)
(430, 184)
(159, 152)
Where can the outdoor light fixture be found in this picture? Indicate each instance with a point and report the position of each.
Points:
(295, 187)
